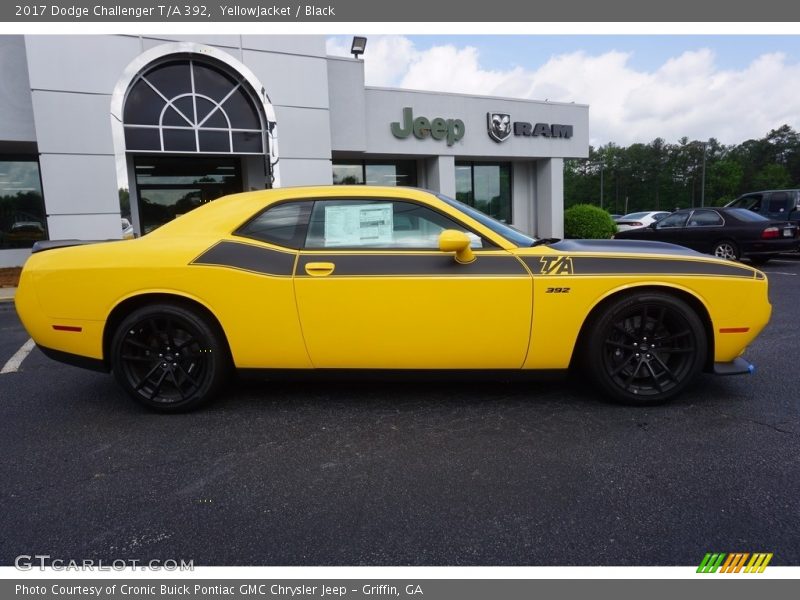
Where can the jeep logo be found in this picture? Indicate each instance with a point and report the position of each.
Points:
(451, 130)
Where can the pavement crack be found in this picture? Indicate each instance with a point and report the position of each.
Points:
(762, 423)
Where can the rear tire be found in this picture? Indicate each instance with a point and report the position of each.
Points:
(169, 357)
(727, 249)
(645, 348)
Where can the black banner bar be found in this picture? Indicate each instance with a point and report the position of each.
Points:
(443, 11)
(729, 587)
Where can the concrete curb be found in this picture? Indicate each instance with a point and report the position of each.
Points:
(7, 295)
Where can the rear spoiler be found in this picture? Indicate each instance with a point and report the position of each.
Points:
(51, 244)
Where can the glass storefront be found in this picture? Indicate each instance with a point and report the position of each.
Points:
(374, 172)
(171, 186)
(22, 216)
(486, 186)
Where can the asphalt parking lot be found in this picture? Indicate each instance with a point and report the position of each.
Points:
(411, 473)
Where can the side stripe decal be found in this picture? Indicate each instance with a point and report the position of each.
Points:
(411, 265)
(600, 265)
(248, 258)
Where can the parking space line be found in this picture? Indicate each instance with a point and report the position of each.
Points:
(14, 363)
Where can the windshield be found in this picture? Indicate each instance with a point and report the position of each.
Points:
(510, 233)
(634, 216)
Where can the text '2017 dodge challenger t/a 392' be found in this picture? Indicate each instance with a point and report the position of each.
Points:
(368, 278)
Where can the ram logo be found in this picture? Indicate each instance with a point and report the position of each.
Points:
(499, 125)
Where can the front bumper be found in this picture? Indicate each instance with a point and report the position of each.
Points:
(738, 366)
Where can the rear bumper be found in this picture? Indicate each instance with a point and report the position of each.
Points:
(84, 362)
(738, 366)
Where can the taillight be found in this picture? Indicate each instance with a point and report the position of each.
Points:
(632, 223)
(770, 233)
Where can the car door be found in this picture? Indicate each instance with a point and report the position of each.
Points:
(671, 228)
(374, 291)
(704, 228)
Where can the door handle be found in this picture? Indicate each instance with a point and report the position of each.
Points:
(319, 269)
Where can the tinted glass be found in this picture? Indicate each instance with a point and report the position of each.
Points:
(179, 140)
(634, 216)
(778, 205)
(214, 141)
(171, 79)
(241, 112)
(212, 82)
(143, 105)
(750, 202)
(705, 218)
(171, 186)
(378, 224)
(515, 236)
(746, 215)
(248, 142)
(22, 218)
(168, 96)
(283, 225)
(401, 172)
(674, 220)
(487, 187)
(348, 173)
(142, 139)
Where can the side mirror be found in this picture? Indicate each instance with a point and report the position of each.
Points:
(451, 240)
(653, 225)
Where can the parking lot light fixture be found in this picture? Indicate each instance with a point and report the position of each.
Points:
(358, 46)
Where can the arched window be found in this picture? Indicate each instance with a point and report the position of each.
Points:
(191, 106)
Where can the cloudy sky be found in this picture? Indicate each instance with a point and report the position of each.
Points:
(730, 87)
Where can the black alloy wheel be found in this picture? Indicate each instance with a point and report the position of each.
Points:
(169, 357)
(645, 348)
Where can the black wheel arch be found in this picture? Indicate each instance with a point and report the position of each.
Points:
(694, 302)
(127, 306)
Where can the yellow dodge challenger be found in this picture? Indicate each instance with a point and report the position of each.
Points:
(369, 278)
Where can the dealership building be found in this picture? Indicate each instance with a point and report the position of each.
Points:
(111, 133)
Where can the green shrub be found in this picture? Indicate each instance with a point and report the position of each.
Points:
(585, 221)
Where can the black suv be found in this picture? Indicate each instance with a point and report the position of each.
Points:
(778, 205)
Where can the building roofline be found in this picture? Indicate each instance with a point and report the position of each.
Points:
(482, 97)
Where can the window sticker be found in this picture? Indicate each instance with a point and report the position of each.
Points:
(364, 225)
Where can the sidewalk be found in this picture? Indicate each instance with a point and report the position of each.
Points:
(7, 294)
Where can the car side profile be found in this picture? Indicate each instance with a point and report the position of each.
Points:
(369, 278)
(730, 233)
(639, 219)
(778, 205)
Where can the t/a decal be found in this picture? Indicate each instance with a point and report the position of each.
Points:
(556, 265)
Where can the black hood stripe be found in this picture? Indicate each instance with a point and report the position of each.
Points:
(413, 265)
(248, 258)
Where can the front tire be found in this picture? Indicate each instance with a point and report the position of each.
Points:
(645, 348)
(169, 357)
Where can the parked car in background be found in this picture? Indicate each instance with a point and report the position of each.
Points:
(731, 233)
(640, 219)
(780, 205)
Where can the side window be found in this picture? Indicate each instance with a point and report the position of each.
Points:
(705, 218)
(674, 220)
(282, 225)
(750, 202)
(378, 224)
(778, 205)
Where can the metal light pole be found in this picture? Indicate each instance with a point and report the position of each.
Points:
(601, 185)
(703, 178)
